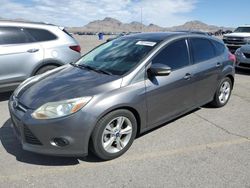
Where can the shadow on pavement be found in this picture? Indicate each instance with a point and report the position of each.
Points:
(169, 122)
(5, 96)
(13, 147)
(242, 71)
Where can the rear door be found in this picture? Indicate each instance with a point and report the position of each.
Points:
(208, 66)
(19, 54)
(168, 96)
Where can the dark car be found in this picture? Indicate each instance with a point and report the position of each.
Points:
(119, 90)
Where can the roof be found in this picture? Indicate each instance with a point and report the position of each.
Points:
(159, 36)
(23, 23)
(246, 25)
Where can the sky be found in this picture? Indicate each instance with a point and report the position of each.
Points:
(165, 13)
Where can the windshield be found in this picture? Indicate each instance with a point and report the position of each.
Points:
(117, 57)
(243, 30)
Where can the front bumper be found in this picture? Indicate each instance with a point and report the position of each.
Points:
(38, 135)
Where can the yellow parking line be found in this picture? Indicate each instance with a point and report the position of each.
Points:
(151, 155)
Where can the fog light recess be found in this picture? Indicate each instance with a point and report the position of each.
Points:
(59, 142)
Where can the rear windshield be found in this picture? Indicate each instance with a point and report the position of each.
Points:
(118, 56)
(243, 30)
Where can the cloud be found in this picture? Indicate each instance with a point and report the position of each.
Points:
(80, 12)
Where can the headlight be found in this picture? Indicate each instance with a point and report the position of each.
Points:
(61, 108)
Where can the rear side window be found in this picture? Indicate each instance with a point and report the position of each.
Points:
(219, 47)
(175, 55)
(41, 34)
(202, 49)
(13, 35)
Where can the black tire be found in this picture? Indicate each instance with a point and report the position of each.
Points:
(45, 69)
(96, 138)
(216, 101)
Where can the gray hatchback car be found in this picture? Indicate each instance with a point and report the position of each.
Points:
(28, 49)
(119, 90)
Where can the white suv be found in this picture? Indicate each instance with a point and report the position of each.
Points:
(238, 38)
(27, 49)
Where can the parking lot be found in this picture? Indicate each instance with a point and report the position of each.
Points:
(205, 148)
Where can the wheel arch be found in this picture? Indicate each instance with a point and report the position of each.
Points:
(47, 62)
(231, 78)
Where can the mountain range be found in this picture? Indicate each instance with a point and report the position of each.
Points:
(109, 24)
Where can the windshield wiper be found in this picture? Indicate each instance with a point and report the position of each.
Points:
(90, 68)
(94, 69)
(103, 71)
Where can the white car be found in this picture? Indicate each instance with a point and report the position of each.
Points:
(240, 37)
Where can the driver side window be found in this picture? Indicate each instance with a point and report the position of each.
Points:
(175, 55)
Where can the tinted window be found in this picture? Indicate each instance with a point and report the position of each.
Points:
(202, 49)
(13, 35)
(174, 55)
(41, 34)
(219, 47)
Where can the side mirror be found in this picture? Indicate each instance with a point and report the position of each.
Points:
(160, 70)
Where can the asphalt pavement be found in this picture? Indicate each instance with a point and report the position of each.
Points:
(205, 148)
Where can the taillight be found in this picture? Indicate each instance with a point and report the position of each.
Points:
(232, 57)
(76, 48)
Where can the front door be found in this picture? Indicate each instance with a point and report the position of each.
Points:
(168, 96)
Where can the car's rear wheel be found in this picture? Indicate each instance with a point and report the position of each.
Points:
(223, 93)
(45, 69)
(114, 134)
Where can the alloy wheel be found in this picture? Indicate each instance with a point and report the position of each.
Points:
(117, 134)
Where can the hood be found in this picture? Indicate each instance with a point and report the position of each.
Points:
(237, 35)
(245, 48)
(66, 82)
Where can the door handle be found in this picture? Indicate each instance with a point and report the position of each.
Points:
(218, 64)
(187, 76)
(33, 50)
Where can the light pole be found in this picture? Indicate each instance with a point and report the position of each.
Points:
(141, 19)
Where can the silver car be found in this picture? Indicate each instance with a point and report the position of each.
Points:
(243, 57)
(28, 49)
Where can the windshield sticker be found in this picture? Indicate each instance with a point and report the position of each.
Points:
(146, 43)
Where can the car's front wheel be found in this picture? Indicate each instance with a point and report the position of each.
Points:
(114, 134)
(223, 93)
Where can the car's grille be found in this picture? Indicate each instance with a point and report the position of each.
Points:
(244, 65)
(247, 55)
(234, 40)
(30, 137)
